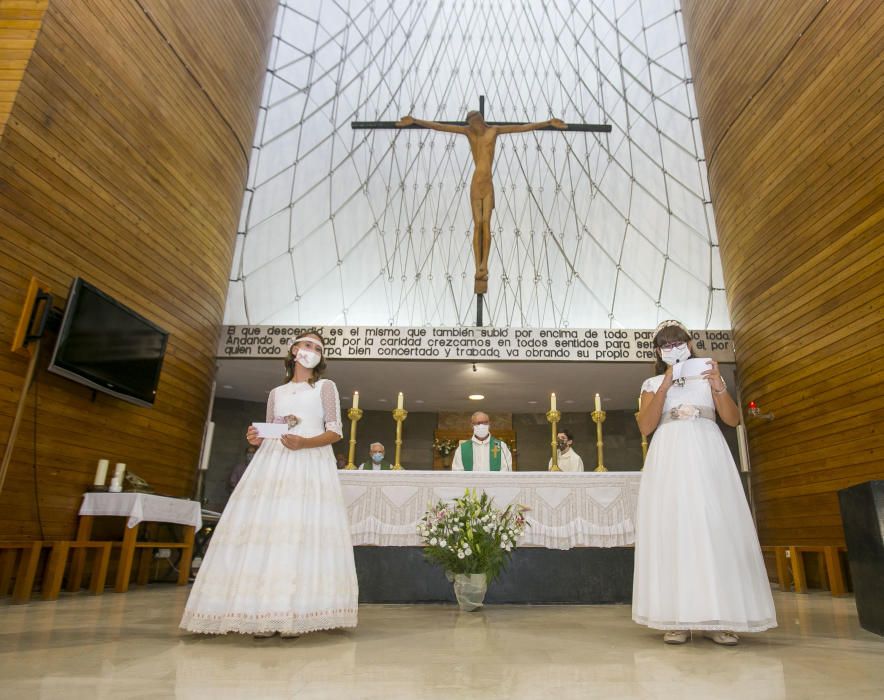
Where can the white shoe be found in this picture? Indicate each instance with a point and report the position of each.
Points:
(676, 637)
(727, 639)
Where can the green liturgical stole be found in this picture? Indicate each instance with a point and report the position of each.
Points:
(466, 455)
(369, 466)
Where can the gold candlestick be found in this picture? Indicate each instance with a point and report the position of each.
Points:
(355, 415)
(554, 417)
(399, 415)
(598, 417)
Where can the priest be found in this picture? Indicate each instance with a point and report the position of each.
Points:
(377, 462)
(483, 452)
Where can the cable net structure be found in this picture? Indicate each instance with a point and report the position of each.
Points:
(342, 226)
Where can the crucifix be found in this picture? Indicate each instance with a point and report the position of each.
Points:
(482, 136)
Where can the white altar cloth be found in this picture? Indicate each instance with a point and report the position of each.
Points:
(567, 510)
(143, 507)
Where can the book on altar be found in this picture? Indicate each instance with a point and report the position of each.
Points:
(694, 367)
(271, 430)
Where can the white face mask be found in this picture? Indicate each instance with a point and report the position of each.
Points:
(481, 430)
(679, 353)
(307, 358)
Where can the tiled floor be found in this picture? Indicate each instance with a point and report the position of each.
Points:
(129, 646)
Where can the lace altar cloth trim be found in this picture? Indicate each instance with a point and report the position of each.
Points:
(565, 509)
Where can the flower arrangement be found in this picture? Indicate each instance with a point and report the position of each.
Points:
(470, 535)
(444, 447)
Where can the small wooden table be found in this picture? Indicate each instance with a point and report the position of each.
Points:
(138, 508)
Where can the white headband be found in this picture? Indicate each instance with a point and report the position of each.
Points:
(313, 340)
(666, 324)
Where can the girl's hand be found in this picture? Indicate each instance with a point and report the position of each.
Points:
(293, 442)
(252, 436)
(713, 376)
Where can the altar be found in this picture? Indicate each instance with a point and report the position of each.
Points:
(576, 549)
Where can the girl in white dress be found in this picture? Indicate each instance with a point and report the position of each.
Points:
(698, 564)
(281, 559)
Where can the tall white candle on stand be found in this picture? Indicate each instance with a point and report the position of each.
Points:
(552, 402)
(401, 400)
(355, 399)
(119, 471)
(598, 403)
(101, 472)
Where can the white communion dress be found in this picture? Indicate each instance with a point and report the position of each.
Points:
(698, 564)
(281, 558)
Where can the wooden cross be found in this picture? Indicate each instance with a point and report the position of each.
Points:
(482, 136)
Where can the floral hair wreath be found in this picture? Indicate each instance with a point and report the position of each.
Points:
(311, 338)
(671, 322)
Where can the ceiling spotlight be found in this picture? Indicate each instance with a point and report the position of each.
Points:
(476, 397)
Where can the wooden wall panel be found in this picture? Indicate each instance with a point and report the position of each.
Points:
(124, 162)
(795, 138)
(20, 22)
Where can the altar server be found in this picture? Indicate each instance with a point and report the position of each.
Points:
(281, 559)
(698, 564)
(567, 459)
(483, 452)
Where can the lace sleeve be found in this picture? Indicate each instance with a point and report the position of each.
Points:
(331, 407)
(652, 384)
(270, 406)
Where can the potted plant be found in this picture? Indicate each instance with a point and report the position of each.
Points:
(445, 447)
(472, 540)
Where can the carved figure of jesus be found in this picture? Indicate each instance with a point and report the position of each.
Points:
(483, 139)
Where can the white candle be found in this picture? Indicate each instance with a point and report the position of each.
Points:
(355, 399)
(119, 470)
(598, 403)
(101, 472)
(401, 400)
(552, 401)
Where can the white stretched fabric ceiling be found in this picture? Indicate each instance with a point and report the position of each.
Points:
(373, 227)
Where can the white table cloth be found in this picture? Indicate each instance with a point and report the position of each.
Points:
(140, 507)
(566, 509)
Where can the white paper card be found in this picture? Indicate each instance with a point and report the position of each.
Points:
(271, 430)
(693, 367)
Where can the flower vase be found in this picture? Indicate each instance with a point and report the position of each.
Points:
(470, 589)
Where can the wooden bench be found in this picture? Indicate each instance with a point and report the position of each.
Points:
(786, 578)
(28, 556)
(55, 568)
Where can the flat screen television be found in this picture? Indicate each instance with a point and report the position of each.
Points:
(109, 347)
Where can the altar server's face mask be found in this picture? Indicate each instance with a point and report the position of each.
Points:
(675, 353)
(481, 430)
(307, 358)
